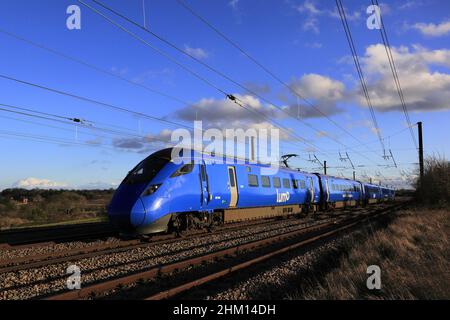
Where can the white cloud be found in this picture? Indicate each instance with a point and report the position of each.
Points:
(233, 3)
(349, 15)
(322, 91)
(320, 87)
(411, 4)
(145, 143)
(312, 12)
(433, 30)
(35, 183)
(237, 13)
(198, 53)
(424, 89)
(311, 24)
(309, 7)
(225, 113)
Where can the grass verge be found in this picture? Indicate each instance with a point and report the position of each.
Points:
(412, 251)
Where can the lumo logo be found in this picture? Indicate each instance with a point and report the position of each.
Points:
(374, 19)
(73, 22)
(283, 196)
(74, 280)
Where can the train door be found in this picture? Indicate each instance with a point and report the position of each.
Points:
(311, 190)
(327, 190)
(204, 187)
(362, 194)
(233, 186)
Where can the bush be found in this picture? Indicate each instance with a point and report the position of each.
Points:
(434, 189)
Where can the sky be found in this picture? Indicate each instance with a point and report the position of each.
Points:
(108, 73)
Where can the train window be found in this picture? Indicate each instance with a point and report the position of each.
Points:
(286, 184)
(146, 170)
(252, 180)
(294, 184)
(276, 182)
(302, 184)
(265, 181)
(231, 176)
(187, 168)
(248, 169)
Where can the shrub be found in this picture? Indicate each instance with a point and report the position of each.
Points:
(434, 189)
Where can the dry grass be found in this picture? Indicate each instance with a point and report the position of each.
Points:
(413, 253)
(8, 222)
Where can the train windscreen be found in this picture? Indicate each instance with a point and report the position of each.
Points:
(146, 170)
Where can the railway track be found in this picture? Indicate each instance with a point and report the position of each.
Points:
(258, 250)
(28, 261)
(39, 260)
(50, 275)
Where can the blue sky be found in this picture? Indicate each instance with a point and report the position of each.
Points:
(302, 42)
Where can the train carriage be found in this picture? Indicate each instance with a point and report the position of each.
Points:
(341, 192)
(199, 190)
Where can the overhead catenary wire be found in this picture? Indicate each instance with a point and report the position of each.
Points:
(393, 68)
(56, 141)
(46, 125)
(91, 101)
(205, 65)
(216, 71)
(92, 125)
(351, 44)
(96, 102)
(96, 68)
(267, 70)
(73, 121)
(195, 74)
(92, 66)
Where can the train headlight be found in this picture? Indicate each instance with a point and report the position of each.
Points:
(151, 190)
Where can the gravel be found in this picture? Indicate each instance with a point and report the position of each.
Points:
(276, 276)
(26, 284)
(14, 253)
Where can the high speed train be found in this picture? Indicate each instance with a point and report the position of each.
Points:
(198, 191)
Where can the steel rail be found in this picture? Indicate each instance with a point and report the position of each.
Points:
(154, 272)
(28, 262)
(166, 294)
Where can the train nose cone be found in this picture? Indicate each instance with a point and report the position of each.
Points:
(137, 216)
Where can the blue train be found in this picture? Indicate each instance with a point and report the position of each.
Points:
(199, 190)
